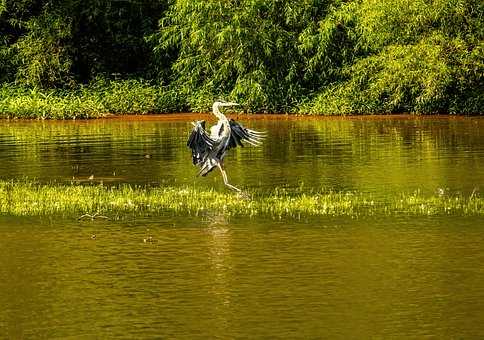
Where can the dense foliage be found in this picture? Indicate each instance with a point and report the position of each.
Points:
(310, 56)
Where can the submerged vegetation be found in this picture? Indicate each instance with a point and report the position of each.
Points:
(24, 198)
(67, 58)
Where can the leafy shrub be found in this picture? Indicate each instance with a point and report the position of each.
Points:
(399, 56)
(99, 99)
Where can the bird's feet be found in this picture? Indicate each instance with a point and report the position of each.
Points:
(244, 195)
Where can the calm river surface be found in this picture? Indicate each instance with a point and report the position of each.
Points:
(220, 277)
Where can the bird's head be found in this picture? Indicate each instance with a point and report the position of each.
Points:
(216, 105)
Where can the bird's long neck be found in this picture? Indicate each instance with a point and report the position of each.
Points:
(219, 114)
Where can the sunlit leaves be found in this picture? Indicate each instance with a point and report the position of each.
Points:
(41, 54)
(96, 100)
(319, 56)
(243, 50)
(397, 56)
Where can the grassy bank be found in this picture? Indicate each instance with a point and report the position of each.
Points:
(104, 98)
(23, 198)
(96, 100)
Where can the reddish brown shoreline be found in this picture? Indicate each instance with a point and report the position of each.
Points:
(209, 116)
(270, 117)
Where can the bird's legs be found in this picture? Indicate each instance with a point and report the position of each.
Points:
(226, 181)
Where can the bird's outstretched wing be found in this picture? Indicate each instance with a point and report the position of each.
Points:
(238, 133)
(199, 142)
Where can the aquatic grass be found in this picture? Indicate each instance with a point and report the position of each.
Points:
(28, 198)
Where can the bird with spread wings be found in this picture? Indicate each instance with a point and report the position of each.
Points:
(209, 149)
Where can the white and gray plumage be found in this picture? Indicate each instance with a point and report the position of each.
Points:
(209, 150)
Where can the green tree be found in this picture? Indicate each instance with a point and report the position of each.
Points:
(244, 50)
(410, 56)
(42, 54)
(108, 37)
(316, 56)
(60, 42)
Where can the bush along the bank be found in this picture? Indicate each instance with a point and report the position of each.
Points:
(97, 100)
(65, 59)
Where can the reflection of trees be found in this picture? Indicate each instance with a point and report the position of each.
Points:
(65, 149)
(382, 154)
(379, 154)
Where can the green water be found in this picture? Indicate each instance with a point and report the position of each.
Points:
(378, 156)
(218, 277)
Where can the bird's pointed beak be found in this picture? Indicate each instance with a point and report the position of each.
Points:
(229, 104)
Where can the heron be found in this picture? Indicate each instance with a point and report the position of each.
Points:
(210, 149)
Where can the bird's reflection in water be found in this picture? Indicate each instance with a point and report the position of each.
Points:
(216, 220)
(220, 261)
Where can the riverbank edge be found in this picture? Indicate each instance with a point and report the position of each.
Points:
(135, 98)
(29, 198)
(208, 116)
